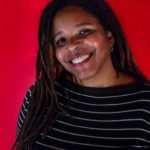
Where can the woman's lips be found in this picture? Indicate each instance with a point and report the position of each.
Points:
(76, 60)
(80, 59)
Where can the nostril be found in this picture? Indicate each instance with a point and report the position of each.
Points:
(75, 44)
(73, 47)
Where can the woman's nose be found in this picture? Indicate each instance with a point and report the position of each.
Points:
(75, 44)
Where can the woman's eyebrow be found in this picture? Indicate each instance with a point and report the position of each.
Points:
(58, 33)
(83, 24)
(77, 25)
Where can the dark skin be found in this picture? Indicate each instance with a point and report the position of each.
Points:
(83, 49)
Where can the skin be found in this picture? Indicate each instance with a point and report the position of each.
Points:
(78, 35)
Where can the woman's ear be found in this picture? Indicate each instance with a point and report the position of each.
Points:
(110, 38)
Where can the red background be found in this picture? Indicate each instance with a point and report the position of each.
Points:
(18, 47)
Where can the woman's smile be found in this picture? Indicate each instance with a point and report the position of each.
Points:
(82, 45)
(80, 58)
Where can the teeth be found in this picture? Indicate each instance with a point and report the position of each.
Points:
(80, 59)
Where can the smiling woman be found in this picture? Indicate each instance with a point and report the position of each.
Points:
(82, 43)
(89, 93)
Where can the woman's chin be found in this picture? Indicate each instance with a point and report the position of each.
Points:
(83, 78)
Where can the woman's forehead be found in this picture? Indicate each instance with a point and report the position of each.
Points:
(73, 10)
(75, 15)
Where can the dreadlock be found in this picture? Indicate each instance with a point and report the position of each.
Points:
(44, 105)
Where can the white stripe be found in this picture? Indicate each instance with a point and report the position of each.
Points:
(22, 114)
(112, 112)
(19, 124)
(116, 104)
(30, 92)
(27, 102)
(26, 98)
(99, 137)
(17, 131)
(87, 144)
(98, 97)
(78, 143)
(139, 146)
(104, 129)
(24, 107)
(113, 104)
(48, 146)
(20, 118)
(121, 120)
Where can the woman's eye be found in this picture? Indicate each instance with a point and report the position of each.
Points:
(85, 31)
(60, 42)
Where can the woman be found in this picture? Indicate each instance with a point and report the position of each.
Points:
(89, 93)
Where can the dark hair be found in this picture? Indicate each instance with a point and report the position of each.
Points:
(44, 106)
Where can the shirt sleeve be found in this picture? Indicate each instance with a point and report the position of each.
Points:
(23, 110)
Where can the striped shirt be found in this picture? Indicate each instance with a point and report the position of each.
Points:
(101, 118)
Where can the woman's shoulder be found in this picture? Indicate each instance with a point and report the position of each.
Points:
(24, 108)
(146, 85)
(29, 93)
(27, 97)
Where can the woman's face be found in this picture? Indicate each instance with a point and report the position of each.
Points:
(82, 45)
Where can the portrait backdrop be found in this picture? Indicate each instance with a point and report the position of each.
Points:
(19, 21)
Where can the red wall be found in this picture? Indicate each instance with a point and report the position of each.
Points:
(18, 47)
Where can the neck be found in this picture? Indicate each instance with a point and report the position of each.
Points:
(107, 80)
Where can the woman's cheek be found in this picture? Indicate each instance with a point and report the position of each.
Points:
(58, 55)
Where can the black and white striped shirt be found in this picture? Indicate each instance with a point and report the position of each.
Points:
(101, 118)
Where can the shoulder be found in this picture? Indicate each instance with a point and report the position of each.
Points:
(146, 89)
(27, 97)
(24, 108)
(141, 93)
(146, 85)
